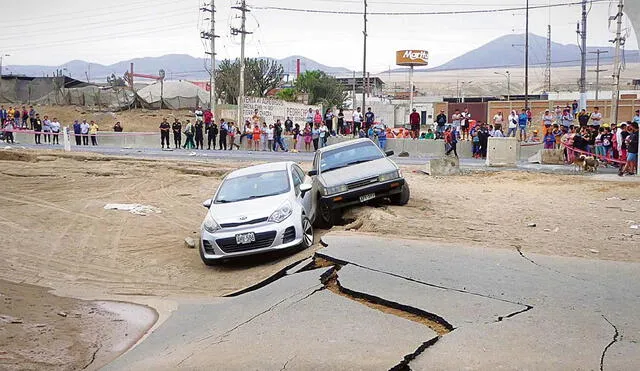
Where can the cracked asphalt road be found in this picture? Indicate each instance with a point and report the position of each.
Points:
(504, 309)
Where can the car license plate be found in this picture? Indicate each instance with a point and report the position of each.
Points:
(245, 238)
(368, 197)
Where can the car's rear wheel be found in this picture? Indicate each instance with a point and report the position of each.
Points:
(328, 217)
(307, 233)
(206, 261)
(401, 198)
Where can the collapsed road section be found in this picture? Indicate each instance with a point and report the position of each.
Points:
(366, 302)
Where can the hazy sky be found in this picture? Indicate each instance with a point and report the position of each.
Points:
(49, 32)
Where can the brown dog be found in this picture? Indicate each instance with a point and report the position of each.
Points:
(579, 163)
(591, 164)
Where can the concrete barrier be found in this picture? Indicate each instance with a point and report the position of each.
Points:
(442, 166)
(415, 148)
(548, 157)
(502, 152)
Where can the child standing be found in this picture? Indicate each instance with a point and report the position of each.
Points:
(549, 140)
(296, 135)
(256, 136)
(557, 133)
(307, 137)
(598, 143)
(476, 143)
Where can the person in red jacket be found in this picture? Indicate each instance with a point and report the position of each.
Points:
(414, 120)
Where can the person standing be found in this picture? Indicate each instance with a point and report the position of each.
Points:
(77, 132)
(199, 114)
(513, 124)
(3, 115)
(574, 107)
(414, 121)
(483, 136)
(84, 130)
(16, 118)
(441, 122)
(307, 137)
(164, 133)
(295, 132)
(199, 134)
(93, 130)
(309, 117)
(369, 119)
(567, 118)
(596, 117)
(341, 126)
(36, 126)
(357, 121)
(255, 118)
(583, 118)
(233, 134)
(208, 118)
(25, 118)
(117, 128)
(288, 125)
(46, 129)
(270, 135)
(176, 127)
(212, 133)
(328, 120)
(189, 131)
(32, 117)
(277, 135)
(547, 119)
(636, 118)
(264, 136)
(523, 121)
(632, 150)
(451, 140)
(380, 131)
(257, 134)
(465, 123)
(323, 132)
(224, 130)
(55, 129)
(8, 131)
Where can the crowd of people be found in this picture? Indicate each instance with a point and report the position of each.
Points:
(15, 119)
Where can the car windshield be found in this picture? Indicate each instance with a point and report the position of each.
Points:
(345, 156)
(251, 186)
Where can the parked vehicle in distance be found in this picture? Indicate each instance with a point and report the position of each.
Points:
(258, 209)
(352, 173)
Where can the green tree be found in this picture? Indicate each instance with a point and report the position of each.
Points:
(261, 76)
(321, 88)
(287, 94)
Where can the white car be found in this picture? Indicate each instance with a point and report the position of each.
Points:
(258, 209)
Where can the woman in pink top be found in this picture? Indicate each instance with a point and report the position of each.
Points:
(317, 118)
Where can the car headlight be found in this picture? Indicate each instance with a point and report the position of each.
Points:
(389, 176)
(335, 189)
(282, 213)
(210, 225)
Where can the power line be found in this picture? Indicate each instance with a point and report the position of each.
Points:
(444, 12)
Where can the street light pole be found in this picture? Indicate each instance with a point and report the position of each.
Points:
(507, 74)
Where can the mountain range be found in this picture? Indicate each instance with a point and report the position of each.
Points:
(504, 52)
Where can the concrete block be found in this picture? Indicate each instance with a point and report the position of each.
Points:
(548, 156)
(502, 152)
(443, 166)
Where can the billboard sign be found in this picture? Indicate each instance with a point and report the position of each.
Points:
(412, 57)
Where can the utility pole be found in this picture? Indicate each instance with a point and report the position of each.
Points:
(526, 58)
(354, 91)
(598, 70)
(619, 41)
(583, 49)
(547, 71)
(243, 35)
(364, 59)
(211, 36)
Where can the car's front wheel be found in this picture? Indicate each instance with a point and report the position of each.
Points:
(328, 217)
(307, 233)
(401, 198)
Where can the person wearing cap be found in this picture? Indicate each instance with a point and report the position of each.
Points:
(441, 121)
(636, 118)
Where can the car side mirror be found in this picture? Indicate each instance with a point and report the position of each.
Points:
(207, 203)
(389, 153)
(304, 188)
(313, 172)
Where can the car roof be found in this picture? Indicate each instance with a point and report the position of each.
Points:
(262, 168)
(344, 144)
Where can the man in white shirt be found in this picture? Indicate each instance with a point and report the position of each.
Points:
(498, 120)
(199, 114)
(84, 130)
(55, 129)
(596, 117)
(357, 121)
(547, 118)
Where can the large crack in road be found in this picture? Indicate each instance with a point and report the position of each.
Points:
(616, 338)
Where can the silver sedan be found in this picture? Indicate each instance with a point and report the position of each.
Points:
(258, 209)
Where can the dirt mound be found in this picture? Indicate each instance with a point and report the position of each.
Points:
(15, 155)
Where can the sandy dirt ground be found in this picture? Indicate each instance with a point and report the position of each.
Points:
(58, 235)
